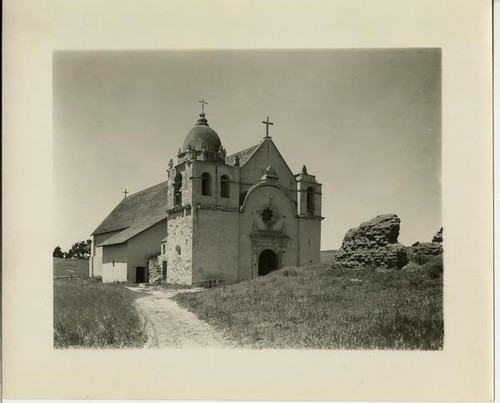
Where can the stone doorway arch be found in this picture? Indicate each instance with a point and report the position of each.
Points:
(268, 262)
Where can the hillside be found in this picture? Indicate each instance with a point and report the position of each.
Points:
(71, 267)
(324, 307)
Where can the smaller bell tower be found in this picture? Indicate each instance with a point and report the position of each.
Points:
(308, 195)
(309, 215)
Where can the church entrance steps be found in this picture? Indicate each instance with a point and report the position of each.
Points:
(212, 283)
(169, 325)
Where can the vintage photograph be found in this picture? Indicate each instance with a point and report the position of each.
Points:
(248, 199)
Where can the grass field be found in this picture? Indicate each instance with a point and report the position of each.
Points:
(91, 314)
(322, 307)
(71, 267)
(327, 255)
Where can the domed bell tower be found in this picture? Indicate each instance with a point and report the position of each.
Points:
(202, 207)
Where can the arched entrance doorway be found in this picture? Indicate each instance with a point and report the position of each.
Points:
(267, 262)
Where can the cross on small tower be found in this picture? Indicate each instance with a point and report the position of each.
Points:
(267, 123)
(125, 192)
(203, 103)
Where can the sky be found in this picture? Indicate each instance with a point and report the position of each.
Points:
(366, 122)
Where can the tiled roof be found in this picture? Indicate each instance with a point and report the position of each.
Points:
(135, 213)
(244, 155)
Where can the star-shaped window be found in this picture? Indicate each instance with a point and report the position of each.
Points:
(267, 215)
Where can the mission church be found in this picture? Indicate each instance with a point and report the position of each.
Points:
(216, 219)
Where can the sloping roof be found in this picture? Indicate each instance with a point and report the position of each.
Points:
(135, 213)
(130, 232)
(244, 155)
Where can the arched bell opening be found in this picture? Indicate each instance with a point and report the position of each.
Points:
(310, 200)
(206, 184)
(178, 189)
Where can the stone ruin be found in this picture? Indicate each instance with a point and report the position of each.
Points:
(375, 244)
(154, 271)
(419, 249)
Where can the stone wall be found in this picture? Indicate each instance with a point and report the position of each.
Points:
(179, 248)
(154, 270)
(374, 244)
(422, 250)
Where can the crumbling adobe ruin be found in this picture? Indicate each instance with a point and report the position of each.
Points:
(375, 244)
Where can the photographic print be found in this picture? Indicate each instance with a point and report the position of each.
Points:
(263, 200)
(257, 199)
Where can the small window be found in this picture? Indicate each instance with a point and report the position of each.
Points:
(310, 200)
(206, 184)
(178, 190)
(224, 186)
(163, 249)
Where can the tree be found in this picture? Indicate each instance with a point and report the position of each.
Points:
(80, 250)
(439, 236)
(57, 252)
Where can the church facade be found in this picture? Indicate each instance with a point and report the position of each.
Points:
(217, 218)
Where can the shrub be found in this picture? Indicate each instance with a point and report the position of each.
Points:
(93, 280)
(434, 267)
(421, 259)
(401, 259)
(438, 237)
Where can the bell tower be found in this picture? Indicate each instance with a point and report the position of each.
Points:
(309, 217)
(308, 195)
(202, 207)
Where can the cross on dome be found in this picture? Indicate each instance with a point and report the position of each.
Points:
(203, 103)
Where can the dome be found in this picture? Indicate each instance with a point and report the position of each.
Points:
(202, 136)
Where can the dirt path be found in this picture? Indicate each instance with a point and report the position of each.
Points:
(169, 325)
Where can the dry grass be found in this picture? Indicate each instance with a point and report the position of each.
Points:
(68, 267)
(324, 307)
(91, 314)
(328, 255)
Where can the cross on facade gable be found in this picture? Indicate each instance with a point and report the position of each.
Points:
(125, 192)
(203, 103)
(267, 123)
